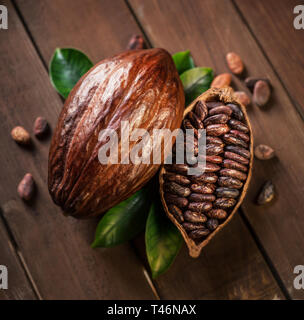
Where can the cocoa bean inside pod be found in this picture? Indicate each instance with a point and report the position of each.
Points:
(141, 87)
(216, 193)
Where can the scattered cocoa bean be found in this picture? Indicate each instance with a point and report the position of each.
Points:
(216, 119)
(40, 127)
(235, 63)
(242, 97)
(261, 93)
(136, 42)
(220, 110)
(217, 129)
(266, 194)
(217, 214)
(251, 81)
(26, 187)
(227, 192)
(221, 81)
(194, 217)
(21, 136)
(263, 152)
(230, 164)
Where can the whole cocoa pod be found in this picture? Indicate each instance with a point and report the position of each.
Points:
(216, 193)
(141, 87)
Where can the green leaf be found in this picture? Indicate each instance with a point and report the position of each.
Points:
(124, 221)
(67, 66)
(183, 61)
(195, 82)
(163, 240)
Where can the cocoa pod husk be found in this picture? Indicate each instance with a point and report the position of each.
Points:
(197, 239)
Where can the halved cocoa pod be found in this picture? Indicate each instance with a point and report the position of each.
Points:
(216, 193)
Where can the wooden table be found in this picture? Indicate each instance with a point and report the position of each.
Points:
(49, 256)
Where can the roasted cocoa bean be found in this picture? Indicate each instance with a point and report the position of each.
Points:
(200, 206)
(26, 187)
(242, 97)
(216, 119)
(224, 203)
(211, 167)
(212, 159)
(136, 42)
(178, 168)
(212, 224)
(236, 111)
(217, 214)
(202, 188)
(177, 212)
(235, 63)
(40, 127)
(214, 140)
(173, 177)
(263, 152)
(230, 139)
(196, 122)
(197, 197)
(251, 81)
(230, 164)
(199, 233)
(217, 129)
(233, 174)
(176, 200)
(261, 93)
(240, 135)
(266, 194)
(21, 136)
(236, 157)
(213, 149)
(188, 125)
(220, 110)
(213, 104)
(205, 178)
(238, 125)
(175, 188)
(190, 226)
(201, 110)
(241, 151)
(230, 182)
(195, 217)
(221, 81)
(227, 192)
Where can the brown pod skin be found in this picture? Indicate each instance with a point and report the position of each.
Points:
(194, 217)
(230, 182)
(182, 180)
(230, 164)
(220, 110)
(203, 188)
(230, 139)
(197, 197)
(217, 214)
(224, 207)
(233, 174)
(176, 200)
(235, 124)
(141, 86)
(217, 129)
(235, 63)
(241, 151)
(175, 188)
(26, 187)
(240, 135)
(217, 118)
(177, 212)
(201, 110)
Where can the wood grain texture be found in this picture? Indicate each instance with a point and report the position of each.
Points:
(210, 29)
(271, 22)
(56, 249)
(19, 287)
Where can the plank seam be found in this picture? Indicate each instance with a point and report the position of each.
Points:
(292, 101)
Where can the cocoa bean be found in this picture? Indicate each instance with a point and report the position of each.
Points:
(241, 151)
(187, 125)
(217, 214)
(212, 224)
(177, 212)
(266, 194)
(263, 152)
(221, 81)
(176, 200)
(235, 63)
(239, 134)
(199, 233)
(40, 127)
(196, 122)
(198, 197)
(211, 167)
(224, 203)
(217, 118)
(205, 178)
(203, 188)
(195, 217)
(231, 139)
(212, 159)
(179, 168)
(251, 81)
(240, 126)
(200, 206)
(190, 226)
(173, 177)
(175, 188)
(261, 93)
(242, 97)
(233, 174)
(220, 110)
(213, 149)
(236, 111)
(136, 42)
(21, 136)
(214, 140)
(201, 110)
(217, 129)
(26, 187)
(227, 192)
(230, 164)
(230, 182)
(236, 157)
(213, 104)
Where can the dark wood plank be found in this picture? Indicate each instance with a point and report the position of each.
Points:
(56, 249)
(19, 287)
(210, 29)
(272, 24)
